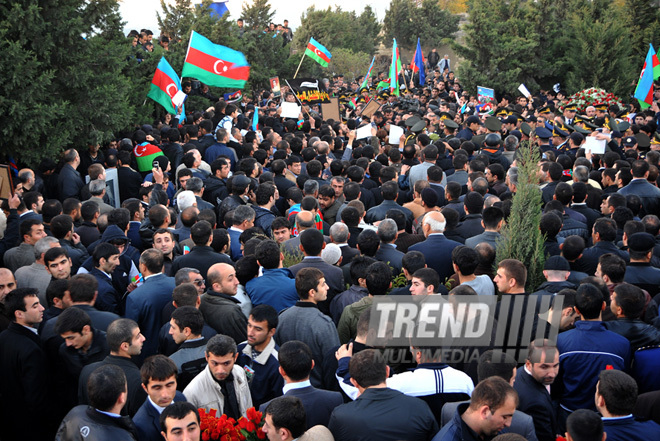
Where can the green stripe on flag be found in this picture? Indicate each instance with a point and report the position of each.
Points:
(210, 78)
(157, 94)
(145, 163)
(315, 57)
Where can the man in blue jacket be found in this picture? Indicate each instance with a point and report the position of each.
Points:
(277, 286)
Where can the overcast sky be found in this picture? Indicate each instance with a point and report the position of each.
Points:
(139, 14)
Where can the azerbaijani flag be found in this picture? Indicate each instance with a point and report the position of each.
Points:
(166, 87)
(644, 90)
(317, 52)
(417, 63)
(255, 119)
(233, 97)
(394, 70)
(215, 65)
(383, 84)
(366, 77)
(145, 154)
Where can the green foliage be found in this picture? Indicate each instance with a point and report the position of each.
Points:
(521, 237)
(600, 53)
(351, 64)
(406, 21)
(290, 259)
(61, 82)
(339, 29)
(643, 25)
(175, 19)
(258, 15)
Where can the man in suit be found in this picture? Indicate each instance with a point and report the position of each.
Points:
(472, 225)
(69, 182)
(533, 386)
(145, 303)
(378, 412)
(311, 244)
(25, 369)
(159, 382)
(387, 252)
(436, 248)
(304, 221)
(640, 186)
(202, 256)
(296, 364)
(492, 221)
(242, 220)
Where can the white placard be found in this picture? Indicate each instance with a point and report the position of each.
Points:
(596, 146)
(524, 91)
(364, 132)
(290, 110)
(179, 98)
(395, 134)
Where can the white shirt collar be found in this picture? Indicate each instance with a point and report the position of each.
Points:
(299, 385)
(158, 408)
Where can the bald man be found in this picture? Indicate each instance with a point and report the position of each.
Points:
(220, 307)
(7, 284)
(436, 248)
(304, 221)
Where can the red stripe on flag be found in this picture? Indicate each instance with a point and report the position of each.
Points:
(164, 83)
(321, 55)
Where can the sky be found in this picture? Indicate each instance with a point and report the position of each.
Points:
(141, 14)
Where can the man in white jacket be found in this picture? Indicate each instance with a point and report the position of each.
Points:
(222, 385)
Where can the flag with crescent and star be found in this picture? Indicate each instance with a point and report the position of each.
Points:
(215, 65)
(166, 88)
(317, 52)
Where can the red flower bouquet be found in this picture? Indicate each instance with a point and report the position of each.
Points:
(228, 429)
(591, 96)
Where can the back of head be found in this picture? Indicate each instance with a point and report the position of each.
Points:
(612, 266)
(379, 276)
(630, 299)
(268, 254)
(491, 217)
(495, 363)
(585, 425)
(589, 301)
(367, 368)
(295, 359)
(82, 288)
(105, 385)
(311, 241)
(619, 391)
(466, 259)
(118, 332)
(201, 232)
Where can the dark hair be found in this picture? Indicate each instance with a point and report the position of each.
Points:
(268, 254)
(153, 259)
(158, 368)
(221, 345)
(72, 320)
(306, 280)
(368, 242)
(105, 385)
(495, 363)
(492, 216)
(589, 301)
(564, 193)
(50, 209)
(619, 391)
(514, 269)
(88, 210)
(367, 368)
(103, 250)
(492, 392)
(288, 413)
(264, 192)
(185, 294)
(201, 232)
(379, 278)
(359, 266)
(15, 301)
(82, 288)
(118, 332)
(55, 290)
(412, 261)
(188, 317)
(585, 425)
(631, 299)
(573, 247)
(177, 411)
(311, 241)
(61, 225)
(612, 266)
(295, 359)
(429, 277)
(550, 224)
(466, 259)
(265, 313)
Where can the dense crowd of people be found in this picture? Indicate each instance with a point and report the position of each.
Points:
(205, 264)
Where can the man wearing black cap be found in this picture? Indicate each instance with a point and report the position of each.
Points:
(543, 136)
(556, 271)
(472, 124)
(639, 271)
(629, 143)
(575, 140)
(569, 113)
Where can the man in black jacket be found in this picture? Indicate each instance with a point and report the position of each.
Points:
(107, 396)
(25, 370)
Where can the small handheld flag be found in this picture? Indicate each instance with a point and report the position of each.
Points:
(368, 75)
(417, 64)
(650, 72)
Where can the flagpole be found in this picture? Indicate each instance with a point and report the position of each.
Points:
(302, 106)
(299, 64)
